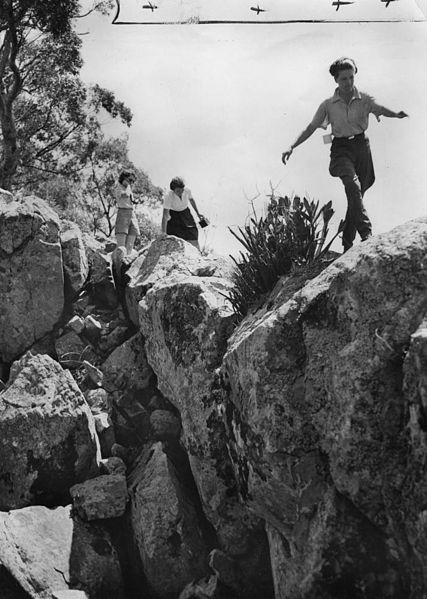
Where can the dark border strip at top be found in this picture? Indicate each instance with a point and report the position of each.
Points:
(201, 22)
(229, 22)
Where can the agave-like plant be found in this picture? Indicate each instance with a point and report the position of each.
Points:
(292, 235)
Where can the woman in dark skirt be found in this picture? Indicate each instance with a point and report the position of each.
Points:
(177, 219)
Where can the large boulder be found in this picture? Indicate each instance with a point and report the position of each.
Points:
(48, 550)
(47, 435)
(186, 321)
(165, 257)
(76, 265)
(166, 526)
(31, 274)
(318, 422)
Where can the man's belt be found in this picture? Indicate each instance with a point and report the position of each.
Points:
(357, 136)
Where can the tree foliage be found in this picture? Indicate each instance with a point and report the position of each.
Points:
(19, 20)
(53, 143)
(39, 67)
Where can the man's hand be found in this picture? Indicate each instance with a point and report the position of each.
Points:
(286, 155)
(401, 115)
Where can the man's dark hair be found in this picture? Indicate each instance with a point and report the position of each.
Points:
(126, 175)
(341, 64)
(176, 182)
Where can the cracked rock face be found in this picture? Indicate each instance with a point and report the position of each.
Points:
(31, 274)
(317, 417)
(47, 435)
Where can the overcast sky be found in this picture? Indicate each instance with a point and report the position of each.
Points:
(217, 104)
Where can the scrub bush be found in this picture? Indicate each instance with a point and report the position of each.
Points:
(288, 240)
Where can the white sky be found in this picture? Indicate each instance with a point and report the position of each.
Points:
(217, 104)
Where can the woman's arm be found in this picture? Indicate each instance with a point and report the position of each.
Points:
(193, 203)
(165, 219)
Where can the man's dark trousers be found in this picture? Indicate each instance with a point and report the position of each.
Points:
(351, 161)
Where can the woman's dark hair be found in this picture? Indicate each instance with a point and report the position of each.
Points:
(176, 182)
(341, 64)
(126, 175)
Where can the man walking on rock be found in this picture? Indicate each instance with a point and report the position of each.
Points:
(347, 111)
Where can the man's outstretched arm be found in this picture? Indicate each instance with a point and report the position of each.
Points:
(391, 114)
(302, 137)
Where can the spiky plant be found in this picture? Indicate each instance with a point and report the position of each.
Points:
(291, 236)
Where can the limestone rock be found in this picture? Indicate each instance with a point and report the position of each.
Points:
(118, 451)
(164, 425)
(74, 257)
(164, 258)
(126, 368)
(47, 434)
(165, 526)
(48, 551)
(110, 340)
(100, 498)
(76, 324)
(31, 274)
(101, 282)
(315, 406)
(186, 321)
(93, 327)
(113, 465)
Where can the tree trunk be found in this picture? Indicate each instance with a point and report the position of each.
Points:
(10, 153)
(10, 88)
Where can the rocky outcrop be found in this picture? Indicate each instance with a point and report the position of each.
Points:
(47, 435)
(48, 551)
(318, 420)
(31, 274)
(282, 456)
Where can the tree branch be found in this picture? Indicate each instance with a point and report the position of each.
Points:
(54, 144)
